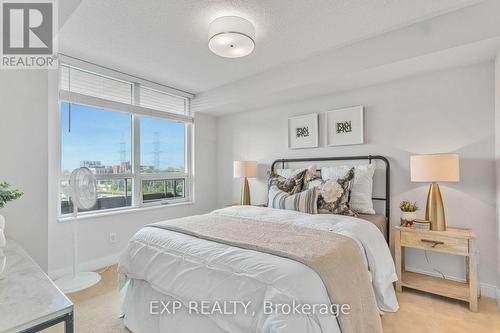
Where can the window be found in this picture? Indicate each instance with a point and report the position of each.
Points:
(138, 148)
(153, 190)
(163, 153)
(100, 140)
(163, 146)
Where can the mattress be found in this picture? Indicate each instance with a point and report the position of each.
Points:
(379, 220)
(165, 265)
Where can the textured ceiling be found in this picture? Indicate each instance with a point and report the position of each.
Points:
(166, 41)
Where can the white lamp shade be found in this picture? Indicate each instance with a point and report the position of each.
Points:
(244, 169)
(435, 168)
(231, 37)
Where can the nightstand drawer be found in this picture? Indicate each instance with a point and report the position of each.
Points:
(459, 246)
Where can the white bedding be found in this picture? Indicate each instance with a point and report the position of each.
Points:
(165, 265)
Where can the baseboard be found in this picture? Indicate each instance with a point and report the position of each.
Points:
(90, 265)
(487, 290)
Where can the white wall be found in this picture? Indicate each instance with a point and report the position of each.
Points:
(23, 157)
(497, 157)
(95, 249)
(449, 111)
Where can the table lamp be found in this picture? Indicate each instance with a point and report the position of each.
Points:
(245, 170)
(433, 169)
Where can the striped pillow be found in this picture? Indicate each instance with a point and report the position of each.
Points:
(305, 201)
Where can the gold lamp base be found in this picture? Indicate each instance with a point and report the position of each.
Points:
(245, 193)
(434, 211)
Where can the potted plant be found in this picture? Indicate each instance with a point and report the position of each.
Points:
(408, 212)
(6, 195)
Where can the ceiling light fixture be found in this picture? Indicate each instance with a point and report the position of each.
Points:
(231, 37)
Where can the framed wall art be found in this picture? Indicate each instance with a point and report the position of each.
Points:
(303, 131)
(345, 126)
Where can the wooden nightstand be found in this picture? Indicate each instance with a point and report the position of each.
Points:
(455, 241)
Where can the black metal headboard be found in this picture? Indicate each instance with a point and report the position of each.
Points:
(387, 198)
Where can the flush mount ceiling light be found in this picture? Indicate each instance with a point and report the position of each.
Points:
(231, 37)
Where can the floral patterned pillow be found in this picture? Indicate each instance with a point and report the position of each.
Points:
(290, 185)
(334, 194)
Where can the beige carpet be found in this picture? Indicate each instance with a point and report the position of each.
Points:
(97, 310)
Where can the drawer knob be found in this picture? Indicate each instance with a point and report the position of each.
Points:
(433, 242)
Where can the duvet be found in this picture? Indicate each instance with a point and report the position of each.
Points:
(174, 272)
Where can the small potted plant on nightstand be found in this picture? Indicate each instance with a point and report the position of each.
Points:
(408, 212)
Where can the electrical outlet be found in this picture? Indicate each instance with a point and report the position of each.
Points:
(112, 238)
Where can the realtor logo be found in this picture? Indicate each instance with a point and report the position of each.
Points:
(28, 34)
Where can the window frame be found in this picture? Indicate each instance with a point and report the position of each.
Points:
(136, 112)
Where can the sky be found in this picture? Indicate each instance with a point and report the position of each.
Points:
(96, 135)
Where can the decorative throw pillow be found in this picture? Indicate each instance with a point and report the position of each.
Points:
(334, 194)
(288, 173)
(362, 186)
(310, 174)
(305, 201)
(290, 185)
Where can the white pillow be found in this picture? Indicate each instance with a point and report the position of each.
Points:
(289, 173)
(362, 187)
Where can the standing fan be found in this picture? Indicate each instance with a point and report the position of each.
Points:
(83, 195)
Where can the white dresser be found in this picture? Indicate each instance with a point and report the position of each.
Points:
(29, 300)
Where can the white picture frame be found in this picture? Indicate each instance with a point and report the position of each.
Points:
(345, 126)
(303, 131)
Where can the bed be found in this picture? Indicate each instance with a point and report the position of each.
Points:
(176, 264)
(380, 221)
(382, 185)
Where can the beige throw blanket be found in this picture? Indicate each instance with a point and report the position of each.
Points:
(335, 258)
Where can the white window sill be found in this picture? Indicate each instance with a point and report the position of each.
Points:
(119, 211)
